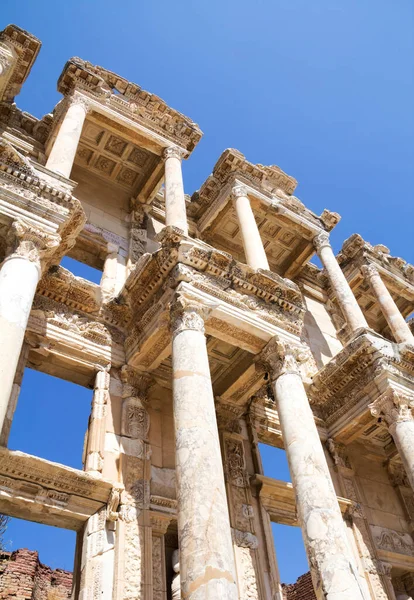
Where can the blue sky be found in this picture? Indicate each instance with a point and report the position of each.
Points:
(322, 88)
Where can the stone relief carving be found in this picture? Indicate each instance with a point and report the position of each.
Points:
(235, 463)
(394, 541)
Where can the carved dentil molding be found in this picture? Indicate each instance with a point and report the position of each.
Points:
(321, 240)
(173, 152)
(31, 242)
(187, 315)
(239, 191)
(393, 407)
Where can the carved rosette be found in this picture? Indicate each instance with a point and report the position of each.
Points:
(321, 240)
(278, 358)
(187, 315)
(239, 191)
(32, 243)
(173, 152)
(393, 407)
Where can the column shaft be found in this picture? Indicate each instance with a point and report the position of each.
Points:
(334, 574)
(252, 242)
(346, 299)
(96, 427)
(206, 553)
(396, 322)
(62, 154)
(175, 211)
(18, 281)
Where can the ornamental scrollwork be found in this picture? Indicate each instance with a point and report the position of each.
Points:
(31, 242)
(393, 407)
(321, 240)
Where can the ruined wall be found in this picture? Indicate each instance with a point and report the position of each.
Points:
(24, 577)
(301, 590)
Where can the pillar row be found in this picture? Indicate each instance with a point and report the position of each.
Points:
(175, 210)
(333, 569)
(394, 408)
(19, 276)
(252, 242)
(207, 567)
(396, 322)
(62, 154)
(342, 290)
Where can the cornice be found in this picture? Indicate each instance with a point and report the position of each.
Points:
(129, 99)
(18, 51)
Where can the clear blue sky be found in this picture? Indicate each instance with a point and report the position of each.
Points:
(322, 88)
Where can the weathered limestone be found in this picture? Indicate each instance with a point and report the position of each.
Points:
(62, 154)
(399, 327)
(334, 574)
(175, 211)
(96, 429)
(19, 276)
(207, 568)
(394, 408)
(252, 242)
(346, 299)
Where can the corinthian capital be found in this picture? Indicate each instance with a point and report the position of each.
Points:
(186, 314)
(279, 358)
(321, 240)
(81, 100)
(369, 270)
(31, 242)
(173, 152)
(393, 407)
(239, 191)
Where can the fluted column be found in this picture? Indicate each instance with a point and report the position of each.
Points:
(62, 154)
(333, 569)
(96, 427)
(342, 290)
(396, 322)
(395, 410)
(19, 276)
(206, 555)
(175, 211)
(252, 242)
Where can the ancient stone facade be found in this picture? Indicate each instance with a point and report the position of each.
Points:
(210, 332)
(24, 577)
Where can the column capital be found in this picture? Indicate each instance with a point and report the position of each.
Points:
(279, 358)
(187, 314)
(76, 98)
(173, 152)
(321, 240)
(135, 383)
(393, 407)
(31, 242)
(239, 191)
(369, 270)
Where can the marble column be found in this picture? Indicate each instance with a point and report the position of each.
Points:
(252, 242)
(396, 322)
(62, 154)
(333, 568)
(96, 427)
(341, 288)
(175, 211)
(19, 276)
(395, 411)
(206, 555)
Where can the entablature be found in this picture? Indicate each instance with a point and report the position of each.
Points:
(18, 52)
(396, 273)
(286, 226)
(39, 490)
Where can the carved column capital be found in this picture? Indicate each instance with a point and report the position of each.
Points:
(31, 242)
(279, 358)
(173, 152)
(369, 270)
(239, 191)
(186, 314)
(78, 99)
(321, 240)
(135, 383)
(393, 407)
